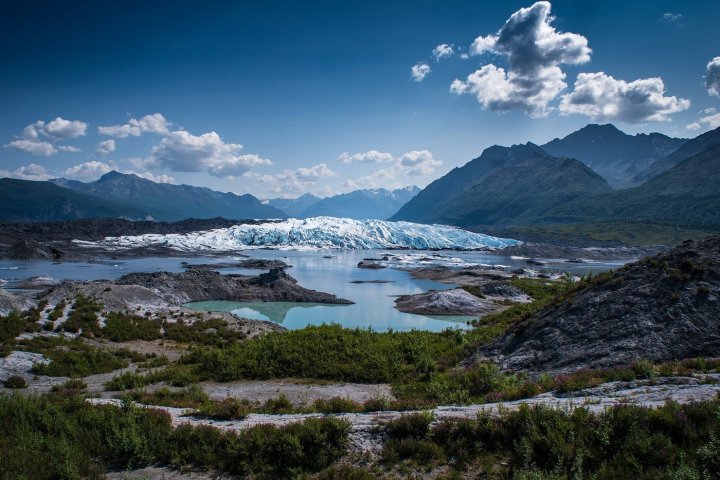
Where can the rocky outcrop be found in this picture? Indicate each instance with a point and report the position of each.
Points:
(660, 308)
(252, 263)
(445, 302)
(10, 302)
(197, 285)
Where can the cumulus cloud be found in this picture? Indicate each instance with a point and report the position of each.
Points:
(712, 77)
(183, 152)
(413, 163)
(155, 123)
(105, 147)
(153, 178)
(371, 156)
(27, 172)
(33, 147)
(604, 98)
(58, 129)
(709, 121)
(534, 50)
(443, 51)
(88, 171)
(291, 182)
(419, 71)
(69, 149)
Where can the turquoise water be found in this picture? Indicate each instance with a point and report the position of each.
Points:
(374, 302)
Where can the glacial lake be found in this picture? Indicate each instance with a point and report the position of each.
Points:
(332, 271)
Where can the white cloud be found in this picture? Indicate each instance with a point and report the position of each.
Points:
(69, 149)
(709, 111)
(710, 121)
(371, 156)
(27, 172)
(534, 50)
(413, 163)
(603, 98)
(153, 178)
(670, 17)
(155, 123)
(418, 162)
(464, 56)
(712, 77)
(88, 171)
(483, 44)
(33, 147)
(419, 71)
(289, 183)
(105, 147)
(183, 152)
(58, 129)
(443, 51)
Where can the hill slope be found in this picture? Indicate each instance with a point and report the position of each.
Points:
(615, 155)
(687, 150)
(428, 205)
(660, 308)
(168, 202)
(28, 201)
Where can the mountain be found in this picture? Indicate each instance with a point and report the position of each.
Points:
(692, 147)
(294, 206)
(166, 202)
(524, 192)
(28, 201)
(428, 205)
(362, 204)
(522, 185)
(615, 155)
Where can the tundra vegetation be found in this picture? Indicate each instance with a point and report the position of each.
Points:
(60, 435)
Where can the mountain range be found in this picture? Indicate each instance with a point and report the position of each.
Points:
(664, 180)
(378, 204)
(167, 202)
(615, 155)
(524, 185)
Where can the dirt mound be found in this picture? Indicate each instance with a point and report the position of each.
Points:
(660, 308)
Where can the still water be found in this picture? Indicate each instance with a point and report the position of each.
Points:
(332, 271)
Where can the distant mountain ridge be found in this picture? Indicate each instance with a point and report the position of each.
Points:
(168, 202)
(377, 204)
(293, 207)
(688, 149)
(28, 201)
(615, 155)
(523, 185)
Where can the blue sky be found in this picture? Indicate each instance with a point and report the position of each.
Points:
(319, 96)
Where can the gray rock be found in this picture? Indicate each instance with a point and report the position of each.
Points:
(660, 308)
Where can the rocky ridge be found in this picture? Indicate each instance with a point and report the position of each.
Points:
(660, 308)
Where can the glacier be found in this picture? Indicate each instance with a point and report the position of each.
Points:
(314, 233)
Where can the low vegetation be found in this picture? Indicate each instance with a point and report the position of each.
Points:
(672, 442)
(65, 437)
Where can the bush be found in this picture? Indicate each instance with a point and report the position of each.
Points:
(415, 426)
(123, 328)
(16, 382)
(53, 437)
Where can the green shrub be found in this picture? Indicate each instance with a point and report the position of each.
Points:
(123, 328)
(16, 382)
(415, 426)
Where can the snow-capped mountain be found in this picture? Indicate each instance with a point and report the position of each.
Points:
(316, 233)
(378, 203)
